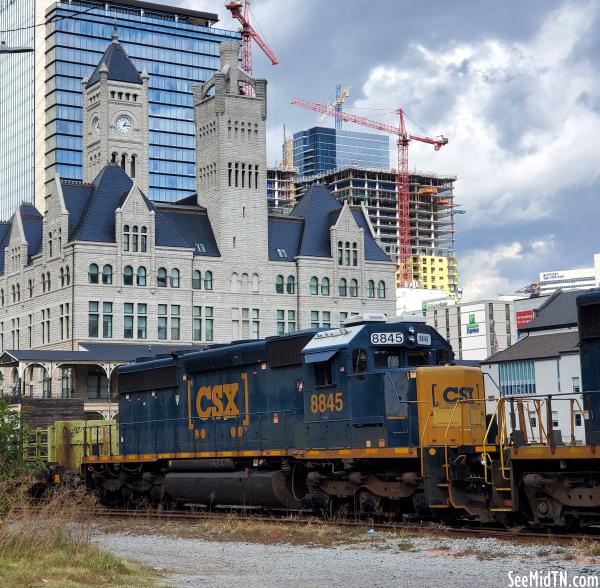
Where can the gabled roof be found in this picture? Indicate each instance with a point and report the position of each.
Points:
(32, 222)
(538, 347)
(76, 197)
(319, 210)
(315, 208)
(559, 311)
(120, 67)
(4, 237)
(97, 219)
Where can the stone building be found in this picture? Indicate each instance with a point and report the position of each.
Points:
(105, 266)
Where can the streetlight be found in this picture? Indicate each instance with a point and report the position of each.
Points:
(5, 49)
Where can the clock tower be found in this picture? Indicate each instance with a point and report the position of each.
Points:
(115, 117)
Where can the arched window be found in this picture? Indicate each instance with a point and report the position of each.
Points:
(133, 166)
(62, 277)
(353, 288)
(144, 240)
(68, 272)
(141, 276)
(50, 244)
(107, 274)
(354, 254)
(43, 287)
(196, 280)
(342, 287)
(234, 286)
(93, 274)
(48, 280)
(128, 276)
(161, 277)
(325, 286)
(2, 297)
(14, 294)
(291, 285)
(134, 239)
(313, 287)
(347, 253)
(208, 281)
(113, 158)
(245, 282)
(31, 288)
(279, 284)
(123, 161)
(18, 292)
(174, 278)
(255, 283)
(370, 289)
(340, 253)
(126, 238)
(381, 289)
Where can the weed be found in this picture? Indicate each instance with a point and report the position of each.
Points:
(405, 546)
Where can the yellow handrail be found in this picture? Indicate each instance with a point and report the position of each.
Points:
(446, 440)
(422, 438)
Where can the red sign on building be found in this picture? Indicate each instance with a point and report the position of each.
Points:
(523, 317)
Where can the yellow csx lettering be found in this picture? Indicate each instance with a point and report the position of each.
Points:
(217, 401)
(455, 393)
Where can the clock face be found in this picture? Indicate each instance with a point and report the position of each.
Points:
(96, 126)
(123, 125)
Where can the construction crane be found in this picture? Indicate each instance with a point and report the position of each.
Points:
(402, 178)
(340, 95)
(239, 11)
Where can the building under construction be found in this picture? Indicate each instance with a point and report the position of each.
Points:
(432, 212)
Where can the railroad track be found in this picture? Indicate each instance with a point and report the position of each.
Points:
(286, 518)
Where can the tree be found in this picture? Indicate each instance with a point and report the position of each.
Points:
(11, 441)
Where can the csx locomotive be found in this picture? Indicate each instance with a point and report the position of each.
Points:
(371, 417)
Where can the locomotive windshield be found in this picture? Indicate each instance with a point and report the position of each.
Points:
(393, 357)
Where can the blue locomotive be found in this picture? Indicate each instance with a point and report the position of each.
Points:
(318, 418)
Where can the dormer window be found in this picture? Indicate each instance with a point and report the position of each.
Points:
(282, 253)
(200, 248)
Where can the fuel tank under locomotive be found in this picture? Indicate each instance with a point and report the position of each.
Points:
(224, 483)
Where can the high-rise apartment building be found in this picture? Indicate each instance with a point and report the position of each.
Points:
(322, 149)
(41, 100)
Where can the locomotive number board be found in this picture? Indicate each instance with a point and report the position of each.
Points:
(397, 339)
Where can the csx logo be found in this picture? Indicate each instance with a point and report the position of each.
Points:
(455, 393)
(217, 401)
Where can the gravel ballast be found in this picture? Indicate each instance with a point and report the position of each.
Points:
(375, 561)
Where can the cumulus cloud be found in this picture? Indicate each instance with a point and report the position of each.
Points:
(520, 115)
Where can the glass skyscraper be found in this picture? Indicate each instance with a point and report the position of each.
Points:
(17, 126)
(176, 46)
(321, 149)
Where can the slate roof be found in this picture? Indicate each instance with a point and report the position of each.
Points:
(4, 237)
(318, 211)
(32, 222)
(97, 219)
(120, 67)
(92, 214)
(559, 311)
(284, 233)
(184, 228)
(538, 347)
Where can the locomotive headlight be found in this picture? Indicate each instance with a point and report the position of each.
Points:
(411, 339)
(411, 330)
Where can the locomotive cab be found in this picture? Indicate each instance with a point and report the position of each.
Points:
(359, 387)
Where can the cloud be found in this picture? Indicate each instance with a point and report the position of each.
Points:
(522, 117)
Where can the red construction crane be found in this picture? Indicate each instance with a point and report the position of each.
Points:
(239, 11)
(402, 179)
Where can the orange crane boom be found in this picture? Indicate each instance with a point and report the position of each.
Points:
(402, 178)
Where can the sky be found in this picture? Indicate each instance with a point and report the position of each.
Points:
(514, 85)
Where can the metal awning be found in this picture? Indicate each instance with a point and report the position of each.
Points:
(319, 356)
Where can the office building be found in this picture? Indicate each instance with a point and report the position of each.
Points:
(41, 108)
(432, 210)
(321, 149)
(105, 267)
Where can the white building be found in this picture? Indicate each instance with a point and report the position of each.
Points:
(571, 279)
(474, 329)
(545, 361)
(104, 264)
